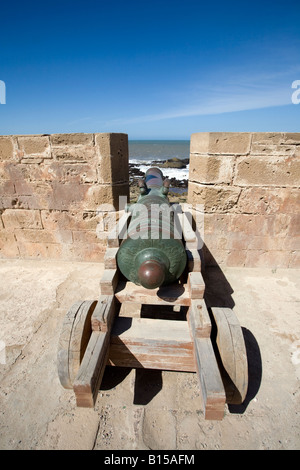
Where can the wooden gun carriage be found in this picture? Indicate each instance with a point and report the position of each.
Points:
(112, 331)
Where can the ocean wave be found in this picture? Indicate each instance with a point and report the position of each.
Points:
(177, 173)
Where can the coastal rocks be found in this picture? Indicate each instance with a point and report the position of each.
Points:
(135, 173)
(172, 163)
(178, 187)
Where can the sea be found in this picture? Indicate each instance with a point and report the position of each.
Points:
(143, 152)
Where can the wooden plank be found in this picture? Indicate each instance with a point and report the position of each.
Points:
(212, 388)
(130, 309)
(199, 320)
(104, 313)
(231, 345)
(193, 260)
(118, 232)
(109, 281)
(184, 220)
(175, 294)
(110, 258)
(196, 285)
(87, 382)
(154, 344)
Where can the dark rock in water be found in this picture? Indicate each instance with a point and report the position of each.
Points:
(135, 173)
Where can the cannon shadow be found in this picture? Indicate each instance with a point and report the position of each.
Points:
(218, 293)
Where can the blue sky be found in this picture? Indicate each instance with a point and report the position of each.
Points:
(157, 69)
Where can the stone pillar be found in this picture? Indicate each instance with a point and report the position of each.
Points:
(51, 189)
(248, 185)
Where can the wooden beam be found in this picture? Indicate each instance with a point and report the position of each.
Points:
(91, 370)
(196, 285)
(88, 379)
(104, 313)
(212, 388)
(176, 294)
(110, 258)
(109, 281)
(189, 234)
(151, 343)
(118, 232)
(193, 260)
(199, 320)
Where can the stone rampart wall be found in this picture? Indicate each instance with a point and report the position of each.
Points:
(248, 184)
(51, 188)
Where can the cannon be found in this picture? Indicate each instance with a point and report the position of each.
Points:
(153, 259)
(152, 255)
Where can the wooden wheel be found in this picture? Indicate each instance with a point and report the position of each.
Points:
(232, 350)
(74, 337)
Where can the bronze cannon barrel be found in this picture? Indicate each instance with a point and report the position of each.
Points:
(153, 254)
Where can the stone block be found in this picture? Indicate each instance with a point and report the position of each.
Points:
(67, 196)
(41, 250)
(67, 220)
(257, 200)
(6, 148)
(292, 138)
(224, 143)
(7, 188)
(22, 218)
(85, 236)
(113, 158)
(213, 198)
(258, 148)
(211, 169)
(34, 236)
(43, 236)
(8, 202)
(8, 244)
(99, 196)
(199, 143)
(267, 171)
(72, 139)
(68, 153)
(71, 172)
(87, 251)
(34, 145)
(267, 138)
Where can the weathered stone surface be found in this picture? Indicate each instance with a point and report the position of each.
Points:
(257, 200)
(43, 236)
(211, 169)
(72, 172)
(258, 148)
(225, 143)
(113, 158)
(68, 220)
(292, 137)
(51, 188)
(8, 244)
(267, 171)
(22, 218)
(34, 144)
(103, 194)
(214, 198)
(72, 139)
(67, 153)
(267, 138)
(6, 148)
